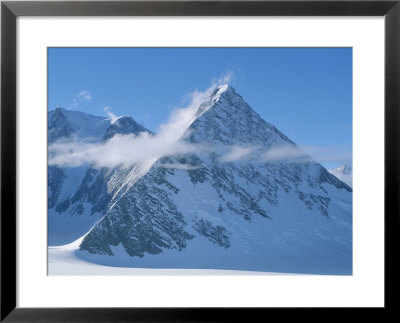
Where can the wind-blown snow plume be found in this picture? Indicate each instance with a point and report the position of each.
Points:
(111, 115)
(226, 78)
(181, 118)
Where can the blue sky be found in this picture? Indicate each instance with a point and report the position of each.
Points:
(305, 92)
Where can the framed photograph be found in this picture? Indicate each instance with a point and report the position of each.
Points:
(198, 161)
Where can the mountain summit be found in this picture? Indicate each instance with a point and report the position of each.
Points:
(64, 124)
(227, 119)
(250, 200)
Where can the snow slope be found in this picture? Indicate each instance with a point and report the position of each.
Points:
(63, 260)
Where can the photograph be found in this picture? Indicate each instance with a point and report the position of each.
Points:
(200, 160)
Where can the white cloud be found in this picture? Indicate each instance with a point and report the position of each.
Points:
(236, 153)
(181, 166)
(257, 154)
(120, 150)
(84, 96)
(79, 98)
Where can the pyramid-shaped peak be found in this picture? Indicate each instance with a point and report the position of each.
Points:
(227, 94)
(224, 92)
(228, 119)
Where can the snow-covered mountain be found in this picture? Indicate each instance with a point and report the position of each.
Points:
(251, 201)
(344, 173)
(79, 196)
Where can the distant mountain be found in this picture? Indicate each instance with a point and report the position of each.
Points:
(63, 124)
(344, 173)
(254, 201)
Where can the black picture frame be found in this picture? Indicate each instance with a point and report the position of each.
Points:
(10, 10)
